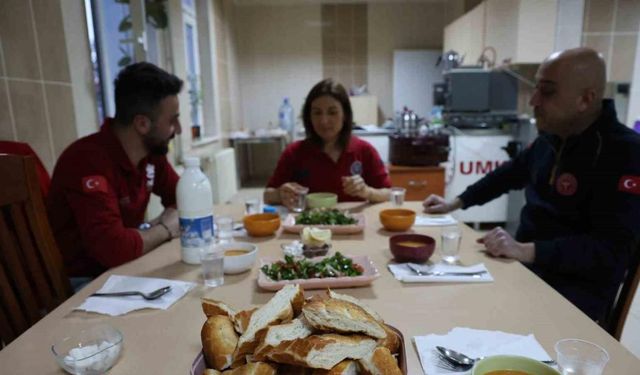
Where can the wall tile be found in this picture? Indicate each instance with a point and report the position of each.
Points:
(328, 50)
(2, 71)
(51, 40)
(61, 116)
(328, 17)
(360, 75)
(628, 15)
(329, 72)
(16, 28)
(344, 50)
(344, 20)
(622, 58)
(6, 128)
(598, 16)
(223, 80)
(360, 20)
(360, 51)
(345, 76)
(30, 118)
(600, 43)
(221, 40)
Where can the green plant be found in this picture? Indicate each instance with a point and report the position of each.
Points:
(156, 16)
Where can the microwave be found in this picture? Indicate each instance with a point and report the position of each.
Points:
(479, 90)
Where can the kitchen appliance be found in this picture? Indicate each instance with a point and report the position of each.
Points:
(477, 90)
(428, 149)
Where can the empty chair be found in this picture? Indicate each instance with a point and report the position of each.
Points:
(19, 148)
(32, 278)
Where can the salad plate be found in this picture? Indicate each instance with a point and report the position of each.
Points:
(289, 225)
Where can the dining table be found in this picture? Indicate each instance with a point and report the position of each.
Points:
(168, 341)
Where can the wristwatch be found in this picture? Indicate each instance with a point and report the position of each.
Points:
(144, 226)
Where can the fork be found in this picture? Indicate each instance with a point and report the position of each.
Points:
(148, 296)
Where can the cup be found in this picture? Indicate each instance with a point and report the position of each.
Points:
(450, 236)
(301, 200)
(251, 206)
(212, 260)
(224, 226)
(580, 357)
(397, 196)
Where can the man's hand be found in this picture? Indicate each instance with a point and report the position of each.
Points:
(435, 204)
(169, 218)
(499, 243)
(289, 193)
(355, 186)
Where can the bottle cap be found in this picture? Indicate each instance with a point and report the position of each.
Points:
(191, 161)
(269, 209)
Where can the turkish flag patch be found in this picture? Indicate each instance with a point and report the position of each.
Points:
(629, 184)
(94, 184)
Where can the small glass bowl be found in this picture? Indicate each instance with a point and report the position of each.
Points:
(92, 351)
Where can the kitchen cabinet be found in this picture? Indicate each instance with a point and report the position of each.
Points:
(419, 181)
(523, 32)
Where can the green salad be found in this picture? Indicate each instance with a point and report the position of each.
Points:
(335, 266)
(323, 216)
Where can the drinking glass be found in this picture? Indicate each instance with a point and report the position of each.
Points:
(251, 206)
(224, 226)
(212, 260)
(397, 196)
(301, 200)
(580, 357)
(450, 236)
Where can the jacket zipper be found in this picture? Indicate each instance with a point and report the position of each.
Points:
(554, 170)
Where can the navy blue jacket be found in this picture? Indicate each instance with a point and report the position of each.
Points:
(582, 208)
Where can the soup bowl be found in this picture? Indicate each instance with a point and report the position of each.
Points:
(322, 200)
(511, 365)
(238, 256)
(261, 225)
(416, 248)
(397, 219)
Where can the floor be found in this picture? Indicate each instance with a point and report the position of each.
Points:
(630, 335)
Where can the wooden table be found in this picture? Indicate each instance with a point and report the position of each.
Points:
(166, 342)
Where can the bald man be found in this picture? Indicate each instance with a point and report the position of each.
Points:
(581, 221)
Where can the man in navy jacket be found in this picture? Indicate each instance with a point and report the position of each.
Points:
(581, 221)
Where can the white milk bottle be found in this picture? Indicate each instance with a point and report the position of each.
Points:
(195, 209)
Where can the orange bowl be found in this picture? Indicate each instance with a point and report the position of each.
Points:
(397, 219)
(260, 225)
(416, 248)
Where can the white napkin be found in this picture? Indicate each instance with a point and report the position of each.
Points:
(434, 221)
(115, 306)
(476, 343)
(403, 273)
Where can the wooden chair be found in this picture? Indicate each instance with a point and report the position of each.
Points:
(614, 324)
(32, 278)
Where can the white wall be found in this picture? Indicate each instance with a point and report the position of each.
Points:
(279, 54)
(634, 98)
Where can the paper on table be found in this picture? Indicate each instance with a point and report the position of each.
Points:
(476, 343)
(121, 305)
(433, 221)
(403, 273)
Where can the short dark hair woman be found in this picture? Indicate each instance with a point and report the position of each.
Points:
(330, 159)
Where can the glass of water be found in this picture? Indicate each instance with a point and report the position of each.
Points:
(397, 196)
(212, 260)
(580, 357)
(301, 200)
(450, 236)
(251, 206)
(224, 226)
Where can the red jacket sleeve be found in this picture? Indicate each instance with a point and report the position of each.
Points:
(284, 170)
(166, 182)
(375, 172)
(98, 216)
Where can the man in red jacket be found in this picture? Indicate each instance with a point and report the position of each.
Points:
(102, 183)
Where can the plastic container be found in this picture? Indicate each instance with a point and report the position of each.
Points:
(286, 118)
(195, 210)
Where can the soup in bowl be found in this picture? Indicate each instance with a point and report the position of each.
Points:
(416, 248)
(511, 365)
(238, 256)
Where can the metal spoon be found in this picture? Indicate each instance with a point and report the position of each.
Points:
(148, 296)
(460, 360)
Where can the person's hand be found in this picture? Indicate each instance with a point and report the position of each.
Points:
(289, 193)
(499, 243)
(355, 186)
(435, 204)
(169, 218)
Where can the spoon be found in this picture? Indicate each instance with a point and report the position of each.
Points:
(460, 360)
(416, 269)
(148, 296)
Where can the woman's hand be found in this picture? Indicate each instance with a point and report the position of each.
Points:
(355, 186)
(289, 193)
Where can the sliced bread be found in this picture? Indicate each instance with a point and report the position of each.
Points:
(219, 341)
(211, 307)
(342, 316)
(392, 341)
(346, 367)
(380, 362)
(254, 368)
(296, 329)
(241, 320)
(348, 298)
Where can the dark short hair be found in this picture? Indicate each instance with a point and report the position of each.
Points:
(335, 90)
(139, 88)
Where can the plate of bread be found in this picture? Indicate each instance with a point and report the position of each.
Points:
(327, 334)
(369, 274)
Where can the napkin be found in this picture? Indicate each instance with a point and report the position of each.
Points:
(115, 306)
(476, 343)
(403, 273)
(434, 221)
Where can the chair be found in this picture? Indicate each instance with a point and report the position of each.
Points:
(614, 323)
(32, 279)
(19, 148)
